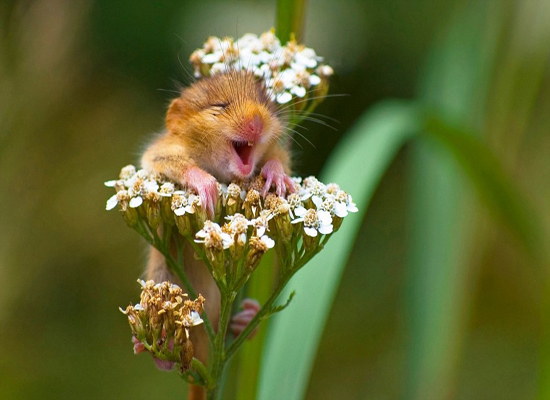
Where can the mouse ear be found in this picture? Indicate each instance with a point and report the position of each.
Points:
(174, 115)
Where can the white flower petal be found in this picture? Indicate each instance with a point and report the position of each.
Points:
(110, 183)
(340, 210)
(179, 211)
(314, 80)
(268, 241)
(227, 240)
(300, 211)
(311, 232)
(284, 97)
(112, 202)
(325, 229)
(324, 217)
(299, 91)
(195, 318)
(260, 230)
(317, 200)
(212, 57)
(136, 202)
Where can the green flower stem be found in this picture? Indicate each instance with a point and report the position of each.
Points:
(203, 373)
(220, 359)
(238, 342)
(266, 309)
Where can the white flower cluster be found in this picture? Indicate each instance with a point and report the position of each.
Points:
(242, 215)
(289, 71)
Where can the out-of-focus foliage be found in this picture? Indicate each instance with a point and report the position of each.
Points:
(436, 297)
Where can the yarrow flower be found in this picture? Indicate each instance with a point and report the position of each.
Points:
(161, 322)
(314, 209)
(289, 71)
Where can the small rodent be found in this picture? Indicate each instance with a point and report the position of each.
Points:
(221, 128)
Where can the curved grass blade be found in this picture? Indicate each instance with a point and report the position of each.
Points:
(357, 165)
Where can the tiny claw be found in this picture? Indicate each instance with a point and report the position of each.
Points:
(241, 320)
(205, 186)
(274, 174)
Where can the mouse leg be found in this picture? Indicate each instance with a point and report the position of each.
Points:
(274, 174)
(205, 185)
(240, 320)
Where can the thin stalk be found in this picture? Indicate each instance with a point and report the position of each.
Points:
(258, 317)
(219, 343)
(203, 372)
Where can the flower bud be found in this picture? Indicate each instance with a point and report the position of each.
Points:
(233, 199)
(252, 205)
(282, 221)
(198, 210)
(257, 250)
(183, 223)
(152, 207)
(129, 214)
(186, 355)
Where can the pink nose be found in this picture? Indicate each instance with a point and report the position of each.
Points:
(254, 127)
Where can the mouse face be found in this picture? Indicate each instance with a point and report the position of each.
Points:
(227, 122)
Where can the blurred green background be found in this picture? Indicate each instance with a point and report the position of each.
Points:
(439, 299)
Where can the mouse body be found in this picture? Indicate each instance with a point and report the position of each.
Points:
(220, 129)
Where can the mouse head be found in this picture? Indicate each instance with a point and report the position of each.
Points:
(227, 121)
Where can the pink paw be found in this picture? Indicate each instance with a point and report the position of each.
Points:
(243, 318)
(274, 174)
(205, 185)
(163, 365)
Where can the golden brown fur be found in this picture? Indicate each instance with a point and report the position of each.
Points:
(197, 149)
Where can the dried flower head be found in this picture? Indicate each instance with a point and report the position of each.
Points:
(161, 321)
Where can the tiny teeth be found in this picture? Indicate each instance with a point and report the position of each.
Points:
(250, 144)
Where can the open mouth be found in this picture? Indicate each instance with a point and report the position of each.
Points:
(244, 157)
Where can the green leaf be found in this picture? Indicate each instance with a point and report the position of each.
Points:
(494, 187)
(291, 15)
(357, 165)
(274, 310)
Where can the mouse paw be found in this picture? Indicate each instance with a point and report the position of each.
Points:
(205, 186)
(240, 320)
(274, 174)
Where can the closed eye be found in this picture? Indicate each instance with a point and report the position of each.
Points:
(220, 105)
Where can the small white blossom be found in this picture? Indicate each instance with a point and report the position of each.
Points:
(261, 224)
(193, 319)
(167, 189)
(295, 66)
(181, 203)
(316, 222)
(212, 236)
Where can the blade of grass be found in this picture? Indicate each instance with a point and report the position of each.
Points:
(443, 212)
(358, 164)
(291, 19)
